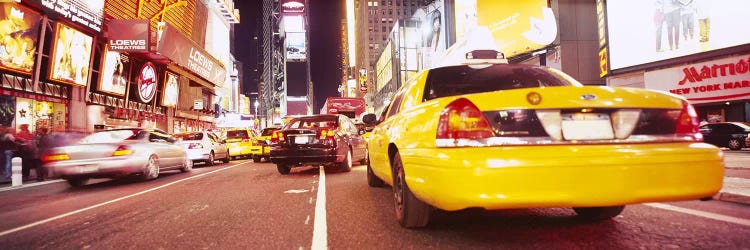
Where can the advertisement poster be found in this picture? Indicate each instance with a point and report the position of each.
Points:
(513, 27)
(171, 89)
(113, 79)
(71, 56)
(665, 29)
(7, 110)
(295, 46)
(712, 81)
(19, 31)
(432, 29)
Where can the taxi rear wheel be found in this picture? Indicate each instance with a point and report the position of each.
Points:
(256, 158)
(598, 213)
(283, 169)
(226, 159)
(410, 211)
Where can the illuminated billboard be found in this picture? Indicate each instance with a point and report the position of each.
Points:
(19, 30)
(293, 6)
(171, 89)
(432, 30)
(71, 56)
(89, 13)
(672, 29)
(113, 79)
(295, 46)
(295, 23)
(516, 27)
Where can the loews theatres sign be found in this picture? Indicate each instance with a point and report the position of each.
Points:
(713, 81)
(187, 54)
(128, 35)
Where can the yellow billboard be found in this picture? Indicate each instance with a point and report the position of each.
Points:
(516, 27)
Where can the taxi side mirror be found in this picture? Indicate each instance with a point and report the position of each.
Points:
(370, 119)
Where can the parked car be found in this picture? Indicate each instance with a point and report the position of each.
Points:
(732, 135)
(240, 142)
(329, 140)
(262, 144)
(204, 147)
(492, 135)
(116, 153)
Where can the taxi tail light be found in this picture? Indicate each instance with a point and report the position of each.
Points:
(461, 119)
(122, 150)
(195, 146)
(55, 157)
(245, 140)
(687, 122)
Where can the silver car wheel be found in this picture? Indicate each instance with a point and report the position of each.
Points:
(152, 168)
(187, 166)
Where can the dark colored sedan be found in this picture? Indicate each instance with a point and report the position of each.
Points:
(329, 140)
(733, 135)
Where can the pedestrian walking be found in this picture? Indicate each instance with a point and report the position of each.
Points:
(7, 146)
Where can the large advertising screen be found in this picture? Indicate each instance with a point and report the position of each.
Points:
(113, 77)
(645, 31)
(432, 29)
(71, 56)
(19, 31)
(295, 46)
(88, 13)
(511, 26)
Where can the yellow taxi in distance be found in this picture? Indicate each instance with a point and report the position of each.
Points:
(240, 142)
(262, 144)
(492, 135)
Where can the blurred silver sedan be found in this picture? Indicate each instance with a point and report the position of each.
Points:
(204, 146)
(116, 153)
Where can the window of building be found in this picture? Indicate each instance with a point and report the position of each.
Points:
(375, 4)
(383, 28)
(369, 4)
(390, 12)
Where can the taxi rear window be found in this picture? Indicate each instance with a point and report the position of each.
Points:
(234, 134)
(460, 80)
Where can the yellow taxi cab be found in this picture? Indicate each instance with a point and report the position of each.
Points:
(262, 144)
(240, 142)
(492, 135)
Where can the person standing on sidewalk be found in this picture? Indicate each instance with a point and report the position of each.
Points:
(26, 149)
(7, 146)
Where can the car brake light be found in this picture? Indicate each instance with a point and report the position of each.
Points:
(461, 119)
(687, 122)
(245, 140)
(122, 150)
(326, 134)
(277, 136)
(55, 157)
(195, 146)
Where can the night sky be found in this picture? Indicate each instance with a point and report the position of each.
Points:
(325, 63)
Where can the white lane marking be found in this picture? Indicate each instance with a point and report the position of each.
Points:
(320, 231)
(296, 191)
(307, 220)
(714, 216)
(33, 224)
(310, 201)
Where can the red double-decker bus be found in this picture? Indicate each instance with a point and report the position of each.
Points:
(352, 107)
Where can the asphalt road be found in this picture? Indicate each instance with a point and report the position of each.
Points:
(244, 205)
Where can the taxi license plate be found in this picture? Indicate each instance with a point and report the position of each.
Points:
(587, 126)
(301, 139)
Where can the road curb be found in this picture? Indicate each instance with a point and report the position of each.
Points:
(8, 188)
(732, 197)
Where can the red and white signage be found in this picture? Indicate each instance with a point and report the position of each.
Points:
(713, 81)
(147, 82)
